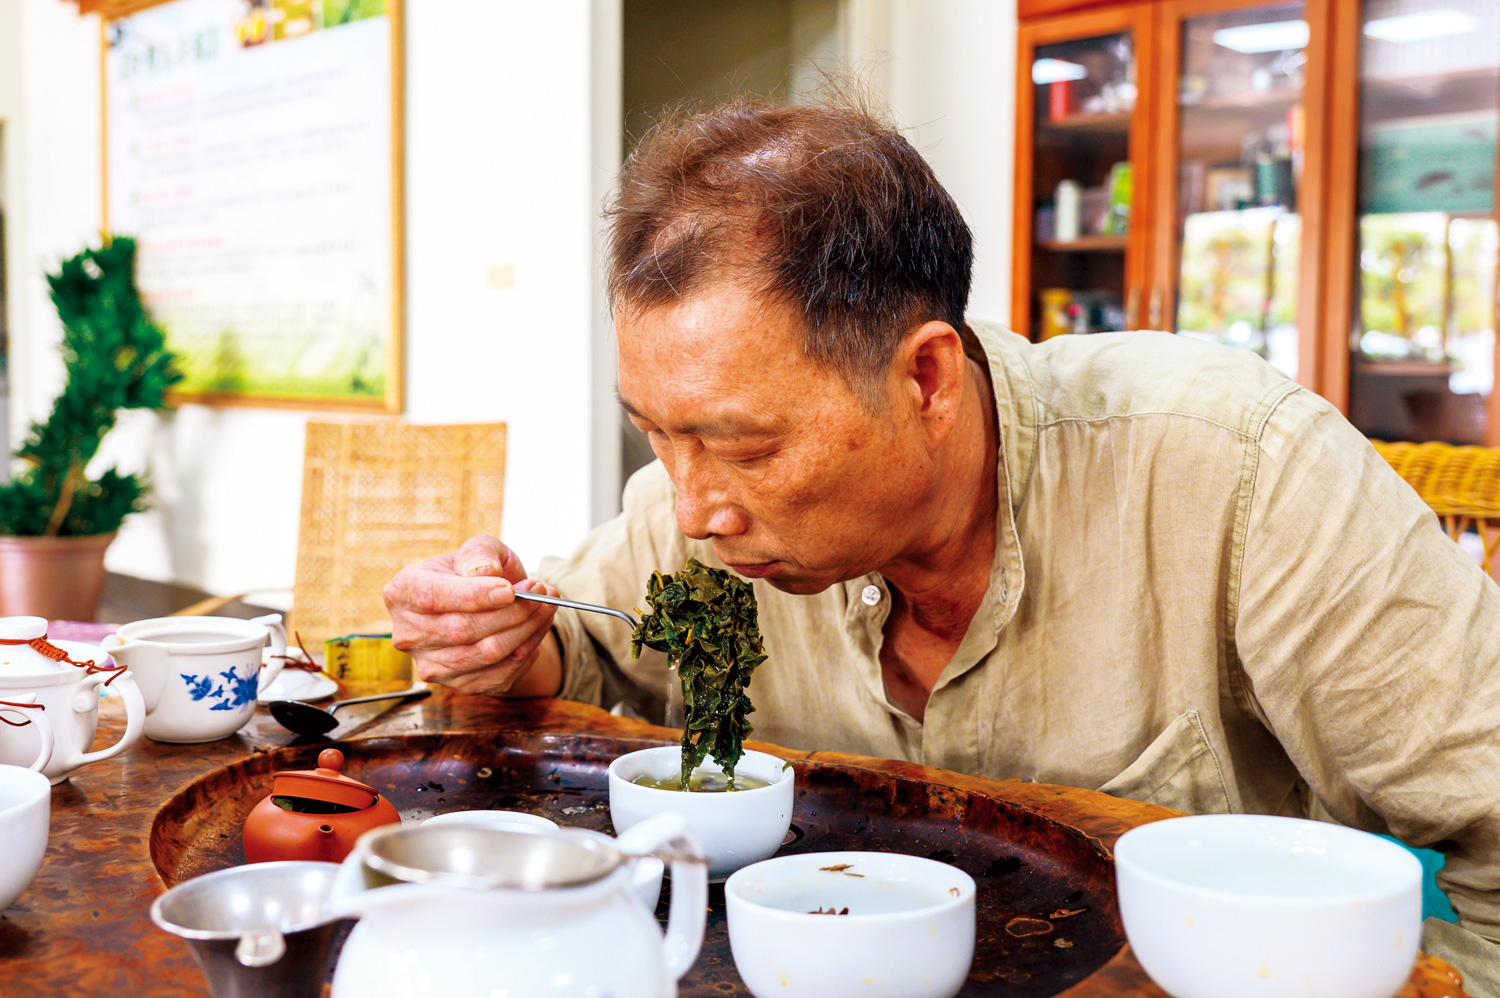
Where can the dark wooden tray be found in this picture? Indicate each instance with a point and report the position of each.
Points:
(1047, 915)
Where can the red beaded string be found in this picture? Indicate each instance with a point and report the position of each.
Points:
(56, 654)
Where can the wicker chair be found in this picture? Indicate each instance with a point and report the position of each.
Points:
(378, 495)
(1461, 484)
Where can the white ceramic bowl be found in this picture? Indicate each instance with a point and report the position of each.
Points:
(25, 820)
(733, 829)
(493, 819)
(1251, 906)
(909, 932)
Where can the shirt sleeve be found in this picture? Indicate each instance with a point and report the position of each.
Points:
(1371, 642)
(610, 568)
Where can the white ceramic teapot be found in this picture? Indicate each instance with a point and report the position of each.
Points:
(452, 911)
(63, 678)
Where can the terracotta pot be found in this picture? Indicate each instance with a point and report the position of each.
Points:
(60, 578)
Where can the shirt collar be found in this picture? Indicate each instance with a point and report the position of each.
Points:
(1015, 408)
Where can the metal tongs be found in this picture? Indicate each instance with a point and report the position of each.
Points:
(624, 615)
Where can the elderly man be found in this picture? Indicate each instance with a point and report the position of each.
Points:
(1131, 562)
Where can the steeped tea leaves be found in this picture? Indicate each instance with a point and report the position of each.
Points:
(705, 620)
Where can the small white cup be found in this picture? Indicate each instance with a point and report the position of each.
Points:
(732, 829)
(908, 933)
(1253, 906)
(199, 676)
(25, 820)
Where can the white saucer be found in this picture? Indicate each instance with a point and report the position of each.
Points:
(298, 684)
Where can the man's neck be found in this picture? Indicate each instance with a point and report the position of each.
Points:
(942, 578)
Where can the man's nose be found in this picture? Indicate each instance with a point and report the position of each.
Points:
(704, 508)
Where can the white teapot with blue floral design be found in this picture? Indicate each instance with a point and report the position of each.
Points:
(199, 676)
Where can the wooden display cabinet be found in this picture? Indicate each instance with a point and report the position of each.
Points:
(1312, 179)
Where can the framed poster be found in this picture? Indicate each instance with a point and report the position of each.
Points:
(253, 149)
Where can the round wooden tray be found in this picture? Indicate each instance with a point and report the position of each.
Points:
(1047, 915)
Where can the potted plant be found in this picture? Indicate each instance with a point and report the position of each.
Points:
(55, 518)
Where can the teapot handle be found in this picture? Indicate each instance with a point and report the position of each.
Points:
(86, 698)
(687, 912)
(268, 673)
(43, 728)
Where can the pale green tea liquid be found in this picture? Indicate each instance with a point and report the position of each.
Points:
(709, 783)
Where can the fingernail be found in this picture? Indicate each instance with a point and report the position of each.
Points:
(501, 596)
(480, 568)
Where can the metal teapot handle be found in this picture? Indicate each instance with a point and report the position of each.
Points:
(665, 835)
(260, 949)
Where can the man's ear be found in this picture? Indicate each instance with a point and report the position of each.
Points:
(931, 365)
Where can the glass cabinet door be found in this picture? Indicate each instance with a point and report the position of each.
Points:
(1423, 339)
(1077, 274)
(1240, 140)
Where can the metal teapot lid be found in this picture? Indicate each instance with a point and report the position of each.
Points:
(474, 856)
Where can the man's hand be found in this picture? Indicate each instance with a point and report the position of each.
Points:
(458, 617)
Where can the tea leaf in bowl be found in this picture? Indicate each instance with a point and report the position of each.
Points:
(705, 620)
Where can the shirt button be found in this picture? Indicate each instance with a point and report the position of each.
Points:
(871, 595)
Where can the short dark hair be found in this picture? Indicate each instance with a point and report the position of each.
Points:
(839, 217)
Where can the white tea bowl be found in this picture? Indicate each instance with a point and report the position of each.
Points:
(493, 819)
(25, 820)
(1254, 906)
(733, 829)
(908, 931)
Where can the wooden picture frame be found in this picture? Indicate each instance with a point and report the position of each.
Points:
(298, 300)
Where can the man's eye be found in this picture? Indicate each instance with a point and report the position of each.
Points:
(745, 459)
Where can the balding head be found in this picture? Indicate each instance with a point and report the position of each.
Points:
(824, 210)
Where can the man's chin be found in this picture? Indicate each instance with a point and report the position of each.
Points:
(799, 586)
(790, 580)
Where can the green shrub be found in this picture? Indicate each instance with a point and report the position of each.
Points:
(116, 358)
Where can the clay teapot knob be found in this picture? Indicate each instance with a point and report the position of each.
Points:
(331, 758)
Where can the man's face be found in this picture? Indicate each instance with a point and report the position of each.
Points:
(774, 458)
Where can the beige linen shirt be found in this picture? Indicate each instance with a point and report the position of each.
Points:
(1208, 592)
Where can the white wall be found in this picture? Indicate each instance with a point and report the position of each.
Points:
(511, 114)
(49, 99)
(951, 79)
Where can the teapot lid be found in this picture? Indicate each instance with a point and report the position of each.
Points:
(23, 629)
(326, 783)
(25, 652)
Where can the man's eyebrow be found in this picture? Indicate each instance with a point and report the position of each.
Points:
(630, 410)
(729, 427)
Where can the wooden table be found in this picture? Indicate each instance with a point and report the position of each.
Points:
(82, 927)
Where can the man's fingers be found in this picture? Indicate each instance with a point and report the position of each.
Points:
(416, 632)
(426, 591)
(486, 555)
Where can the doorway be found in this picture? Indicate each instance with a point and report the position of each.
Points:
(674, 52)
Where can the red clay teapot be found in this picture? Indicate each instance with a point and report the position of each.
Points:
(314, 814)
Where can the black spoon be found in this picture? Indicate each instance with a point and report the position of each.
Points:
(305, 719)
